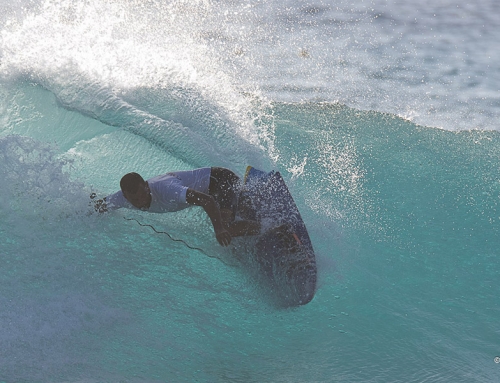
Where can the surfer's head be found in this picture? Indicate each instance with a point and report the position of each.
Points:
(136, 190)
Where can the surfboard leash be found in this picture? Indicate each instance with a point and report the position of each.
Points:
(164, 232)
(174, 239)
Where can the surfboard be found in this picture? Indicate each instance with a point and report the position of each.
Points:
(283, 252)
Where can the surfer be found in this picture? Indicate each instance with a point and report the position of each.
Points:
(215, 189)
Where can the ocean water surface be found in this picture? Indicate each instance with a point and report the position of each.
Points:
(382, 116)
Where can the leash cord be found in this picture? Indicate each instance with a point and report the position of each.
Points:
(164, 232)
(176, 240)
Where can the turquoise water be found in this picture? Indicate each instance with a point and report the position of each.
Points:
(403, 217)
(404, 223)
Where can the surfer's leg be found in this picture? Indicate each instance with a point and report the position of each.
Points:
(243, 228)
(224, 187)
(227, 215)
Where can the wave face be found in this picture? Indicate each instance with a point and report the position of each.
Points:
(403, 217)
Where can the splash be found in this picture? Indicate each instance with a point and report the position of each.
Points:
(34, 181)
(139, 65)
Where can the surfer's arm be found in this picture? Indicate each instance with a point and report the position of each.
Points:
(111, 202)
(207, 202)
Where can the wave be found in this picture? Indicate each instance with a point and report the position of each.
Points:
(403, 218)
(211, 54)
(112, 70)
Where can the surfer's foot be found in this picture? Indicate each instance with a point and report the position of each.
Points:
(243, 228)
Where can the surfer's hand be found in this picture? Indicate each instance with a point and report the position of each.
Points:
(223, 237)
(99, 205)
